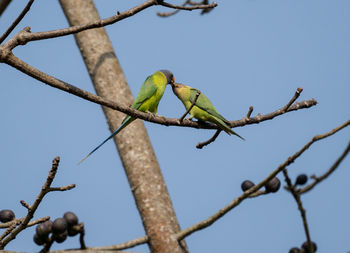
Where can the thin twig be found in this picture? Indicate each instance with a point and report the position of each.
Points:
(44, 190)
(61, 189)
(258, 193)
(295, 97)
(25, 204)
(190, 108)
(16, 22)
(47, 245)
(249, 113)
(18, 221)
(204, 6)
(287, 108)
(167, 14)
(200, 145)
(297, 198)
(207, 222)
(27, 36)
(197, 3)
(190, 8)
(56, 83)
(3, 5)
(327, 173)
(125, 245)
(40, 220)
(81, 237)
(8, 231)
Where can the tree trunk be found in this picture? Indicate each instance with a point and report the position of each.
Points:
(133, 144)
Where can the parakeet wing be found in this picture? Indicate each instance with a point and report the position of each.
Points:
(204, 103)
(147, 90)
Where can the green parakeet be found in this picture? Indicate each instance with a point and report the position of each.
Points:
(147, 99)
(203, 109)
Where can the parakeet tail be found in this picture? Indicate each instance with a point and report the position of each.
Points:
(227, 129)
(125, 122)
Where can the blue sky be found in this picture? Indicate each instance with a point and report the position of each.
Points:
(243, 53)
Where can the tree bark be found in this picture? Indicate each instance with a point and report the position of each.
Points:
(133, 144)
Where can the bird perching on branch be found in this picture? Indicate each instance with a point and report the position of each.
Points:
(202, 109)
(147, 99)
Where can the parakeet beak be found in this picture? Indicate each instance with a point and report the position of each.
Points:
(172, 81)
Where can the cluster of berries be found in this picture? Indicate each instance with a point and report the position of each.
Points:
(304, 248)
(271, 186)
(60, 229)
(274, 184)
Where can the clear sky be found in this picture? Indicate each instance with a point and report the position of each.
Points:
(243, 53)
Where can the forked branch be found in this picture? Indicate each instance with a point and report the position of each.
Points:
(13, 230)
(207, 222)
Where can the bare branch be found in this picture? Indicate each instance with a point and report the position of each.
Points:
(27, 36)
(287, 108)
(18, 221)
(258, 193)
(207, 222)
(31, 209)
(249, 113)
(22, 66)
(3, 5)
(8, 231)
(295, 97)
(247, 118)
(189, 8)
(16, 22)
(125, 245)
(297, 198)
(167, 14)
(61, 189)
(193, 5)
(190, 108)
(47, 245)
(327, 173)
(25, 204)
(40, 220)
(81, 237)
(87, 250)
(200, 145)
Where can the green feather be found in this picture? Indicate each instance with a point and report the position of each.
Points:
(147, 90)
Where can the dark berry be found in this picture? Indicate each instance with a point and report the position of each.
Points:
(44, 229)
(6, 215)
(71, 219)
(273, 185)
(72, 231)
(59, 226)
(305, 247)
(294, 250)
(301, 179)
(60, 237)
(39, 240)
(246, 185)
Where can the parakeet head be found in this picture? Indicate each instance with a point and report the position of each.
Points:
(169, 76)
(176, 87)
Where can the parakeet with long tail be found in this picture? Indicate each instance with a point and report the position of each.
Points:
(147, 100)
(203, 109)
